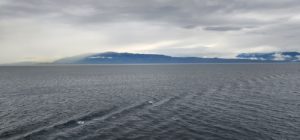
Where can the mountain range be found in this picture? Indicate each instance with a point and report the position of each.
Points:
(133, 58)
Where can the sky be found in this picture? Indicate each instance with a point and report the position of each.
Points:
(46, 30)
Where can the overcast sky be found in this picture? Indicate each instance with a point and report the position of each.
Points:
(45, 30)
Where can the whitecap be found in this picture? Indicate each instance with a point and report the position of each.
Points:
(80, 122)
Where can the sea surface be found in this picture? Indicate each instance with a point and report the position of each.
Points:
(159, 102)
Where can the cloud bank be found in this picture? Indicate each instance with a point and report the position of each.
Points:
(45, 30)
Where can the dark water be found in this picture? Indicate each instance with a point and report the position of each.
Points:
(163, 102)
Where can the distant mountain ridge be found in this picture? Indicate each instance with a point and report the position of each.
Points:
(134, 58)
(273, 56)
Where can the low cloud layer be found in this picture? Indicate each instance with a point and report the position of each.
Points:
(45, 30)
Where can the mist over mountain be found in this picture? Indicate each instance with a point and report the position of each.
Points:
(273, 56)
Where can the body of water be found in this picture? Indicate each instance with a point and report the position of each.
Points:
(159, 102)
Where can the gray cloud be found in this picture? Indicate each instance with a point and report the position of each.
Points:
(224, 28)
(187, 13)
(41, 26)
